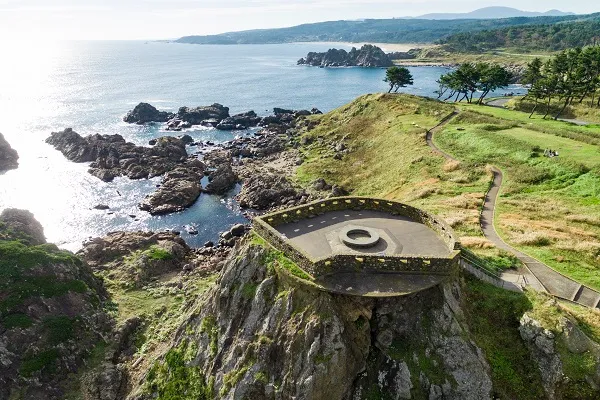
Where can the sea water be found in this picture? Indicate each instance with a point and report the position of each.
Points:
(89, 86)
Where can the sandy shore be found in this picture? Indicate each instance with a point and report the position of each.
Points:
(387, 47)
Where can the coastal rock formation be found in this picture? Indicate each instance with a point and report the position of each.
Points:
(263, 191)
(8, 156)
(221, 180)
(136, 257)
(367, 56)
(179, 189)
(112, 156)
(239, 121)
(145, 113)
(52, 312)
(259, 334)
(21, 225)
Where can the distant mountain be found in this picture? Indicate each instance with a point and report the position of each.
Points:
(398, 30)
(494, 13)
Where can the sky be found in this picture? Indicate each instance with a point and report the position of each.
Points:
(167, 19)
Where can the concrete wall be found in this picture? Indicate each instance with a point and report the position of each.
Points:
(265, 227)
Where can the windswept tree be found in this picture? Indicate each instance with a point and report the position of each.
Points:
(468, 79)
(398, 77)
(531, 80)
(491, 78)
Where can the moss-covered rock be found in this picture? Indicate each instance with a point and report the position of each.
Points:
(51, 311)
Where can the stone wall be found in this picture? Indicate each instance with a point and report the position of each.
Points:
(413, 264)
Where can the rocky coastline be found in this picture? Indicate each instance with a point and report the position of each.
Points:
(8, 156)
(226, 164)
(367, 56)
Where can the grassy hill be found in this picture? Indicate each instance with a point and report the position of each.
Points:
(554, 36)
(549, 207)
(372, 30)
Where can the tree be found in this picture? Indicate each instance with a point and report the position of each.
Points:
(398, 77)
(469, 78)
(531, 79)
(491, 77)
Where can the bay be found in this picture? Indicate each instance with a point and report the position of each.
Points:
(89, 86)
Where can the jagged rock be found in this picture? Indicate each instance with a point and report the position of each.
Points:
(8, 156)
(265, 191)
(238, 230)
(179, 189)
(320, 184)
(367, 56)
(239, 121)
(18, 224)
(144, 113)
(132, 258)
(112, 156)
(197, 115)
(284, 341)
(540, 342)
(101, 207)
(221, 180)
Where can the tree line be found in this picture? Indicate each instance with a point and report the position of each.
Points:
(460, 84)
(547, 37)
(468, 79)
(570, 76)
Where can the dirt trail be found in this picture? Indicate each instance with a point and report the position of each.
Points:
(535, 273)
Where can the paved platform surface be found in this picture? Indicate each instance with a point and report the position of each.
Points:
(378, 284)
(318, 236)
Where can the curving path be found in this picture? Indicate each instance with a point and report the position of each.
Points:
(535, 273)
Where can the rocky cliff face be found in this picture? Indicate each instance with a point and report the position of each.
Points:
(260, 335)
(8, 156)
(51, 314)
(367, 56)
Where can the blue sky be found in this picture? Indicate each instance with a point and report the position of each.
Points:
(160, 19)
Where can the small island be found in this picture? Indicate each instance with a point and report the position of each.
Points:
(368, 56)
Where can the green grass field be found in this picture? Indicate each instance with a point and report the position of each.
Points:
(549, 207)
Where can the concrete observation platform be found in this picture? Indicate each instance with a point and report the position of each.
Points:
(363, 246)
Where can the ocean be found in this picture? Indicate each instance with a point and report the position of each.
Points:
(89, 86)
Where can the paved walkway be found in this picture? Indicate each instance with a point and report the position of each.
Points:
(535, 273)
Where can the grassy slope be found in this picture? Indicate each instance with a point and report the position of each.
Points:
(436, 55)
(389, 158)
(577, 110)
(549, 207)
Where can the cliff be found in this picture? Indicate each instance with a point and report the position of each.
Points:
(367, 56)
(260, 334)
(8, 156)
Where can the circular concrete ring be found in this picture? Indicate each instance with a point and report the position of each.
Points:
(371, 241)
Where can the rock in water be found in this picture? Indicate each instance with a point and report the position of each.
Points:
(179, 189)
(112, 156)
(367, 56)
(8, 156)
(221, 180)
(144, 113)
